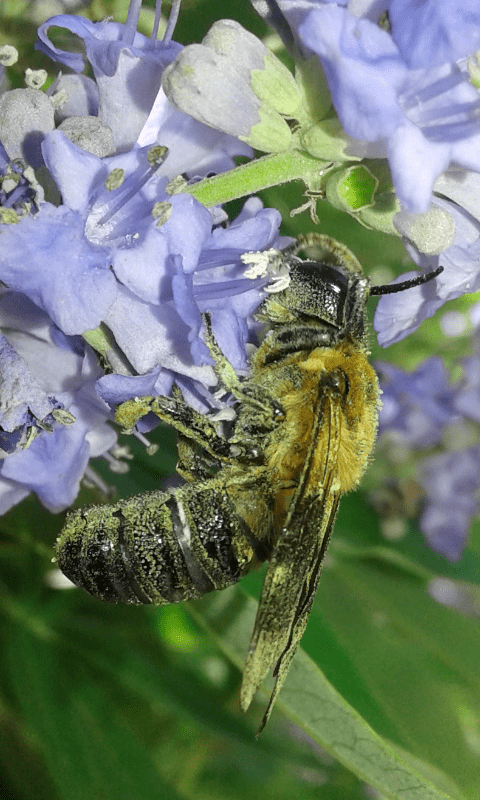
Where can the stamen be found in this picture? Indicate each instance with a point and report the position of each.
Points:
(156, 21)
(93, 480)
(172, 21)
(434, 108)
(422, 95)
(453, 130)
(150, 447)
(131, 23)
(103, 212)
(119, 467)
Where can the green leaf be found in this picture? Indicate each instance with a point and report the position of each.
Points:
(407, 663)
(137, 689)
(312, 702)
(89, 750)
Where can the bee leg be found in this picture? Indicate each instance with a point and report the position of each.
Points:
(271, 411)
(191, 465)
(325, 249)
(197, 428)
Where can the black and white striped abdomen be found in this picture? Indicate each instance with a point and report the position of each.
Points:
(157, 547)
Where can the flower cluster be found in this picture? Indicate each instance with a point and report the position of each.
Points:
(424, 411)
(101, 256)
(403, 79)
(109, 260)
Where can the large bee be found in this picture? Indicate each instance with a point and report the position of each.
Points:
(265, 488)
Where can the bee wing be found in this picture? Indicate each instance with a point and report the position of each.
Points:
(287, 596)
(294, 569)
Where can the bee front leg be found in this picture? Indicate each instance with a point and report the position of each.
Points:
(175, 412)
(268, 411)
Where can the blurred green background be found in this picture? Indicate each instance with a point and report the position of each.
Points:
(112, 703)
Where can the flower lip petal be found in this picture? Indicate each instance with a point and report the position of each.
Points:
(453, 30)
(11, 493)
(74, 170)
(103, 44)
(21, 396)
(363, 67)
(48, 258)
(55, 462)
(84, 28)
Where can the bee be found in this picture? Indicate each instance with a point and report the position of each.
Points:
(267, 486)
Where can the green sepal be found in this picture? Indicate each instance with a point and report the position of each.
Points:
(99, 340)
(276, 86)
(351, 189)
(315, 95)
(326, 139)
(379, 217)
(271, 134)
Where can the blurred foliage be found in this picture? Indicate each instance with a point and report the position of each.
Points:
(107, 703)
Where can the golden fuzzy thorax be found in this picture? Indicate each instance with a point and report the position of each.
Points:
(349, 424)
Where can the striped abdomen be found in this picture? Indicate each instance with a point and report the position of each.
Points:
(157, 547)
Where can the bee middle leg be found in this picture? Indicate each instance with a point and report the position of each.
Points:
(192, 465)
(199, 429)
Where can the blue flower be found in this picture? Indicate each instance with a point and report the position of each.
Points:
(148, 283)
(418, 405)
(402, 95)
(467, 399)
(111, 255)
(397, 315)
(127, 94)
(450, 481)
(434, 31)
(418, 409)
(51, 419)
(47, 257)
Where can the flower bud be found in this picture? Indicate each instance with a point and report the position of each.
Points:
(233, 83)
(431, 233)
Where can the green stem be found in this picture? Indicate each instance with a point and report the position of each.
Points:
(262, 173)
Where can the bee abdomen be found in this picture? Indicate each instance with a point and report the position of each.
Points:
(157, 547)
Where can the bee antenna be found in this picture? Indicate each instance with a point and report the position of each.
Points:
(391, 288)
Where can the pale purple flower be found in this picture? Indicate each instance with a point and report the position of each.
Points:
(111, 252)
(44, 375)
(402, 95)
(128, 69)
(418, 408)
(417, 405)
(451, 482)
(397, 315)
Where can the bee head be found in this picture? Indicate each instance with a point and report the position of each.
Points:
(327, 290)
(321, 294)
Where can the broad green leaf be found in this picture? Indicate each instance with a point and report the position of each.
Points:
(357, 524)
(411, 664)
(313, 703)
